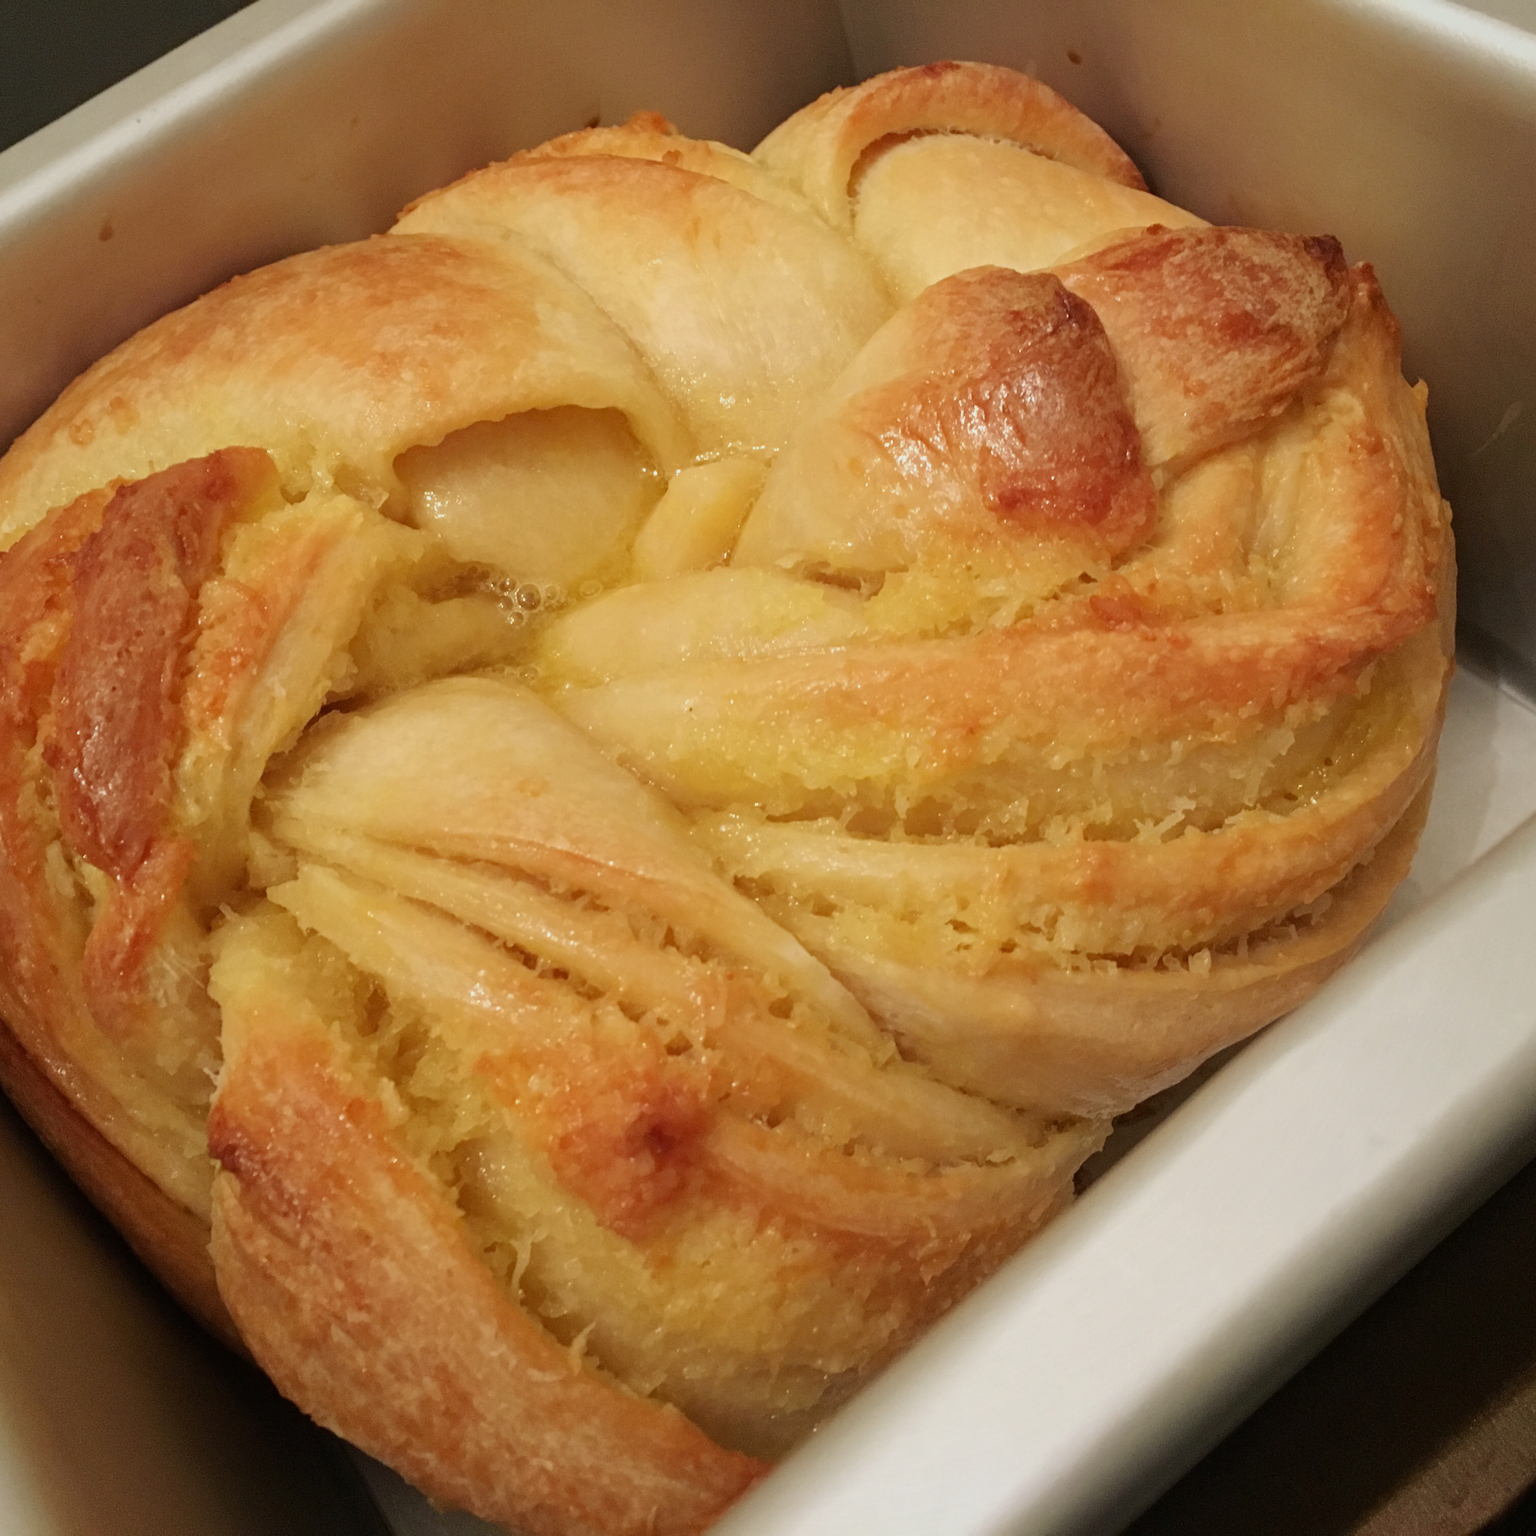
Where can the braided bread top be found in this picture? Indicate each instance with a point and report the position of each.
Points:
(612, 788)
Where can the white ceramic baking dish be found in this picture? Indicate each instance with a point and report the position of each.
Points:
(1302, 1176)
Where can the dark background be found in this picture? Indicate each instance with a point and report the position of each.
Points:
(57, 53)
(1419, 1420)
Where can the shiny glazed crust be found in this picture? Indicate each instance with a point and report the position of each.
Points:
(604, 795)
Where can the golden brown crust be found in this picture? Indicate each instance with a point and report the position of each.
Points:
(744, 308)
(1306, 663)
(1218, 328)
(1095, 1042)
(820, 147)
(988, 417)
(648, 136)
(98, 625)
(336, 361)
(703, 1125)
(732, 711)
(428, 1366)
(116, 718)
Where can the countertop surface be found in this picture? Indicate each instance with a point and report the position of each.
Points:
(1420, 1418)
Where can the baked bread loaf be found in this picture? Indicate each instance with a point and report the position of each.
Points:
(605, 794)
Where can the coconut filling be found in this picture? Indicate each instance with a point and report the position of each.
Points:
(322, 597)
(660, 1134)
(756, 1293)
(911, 887)
(715, 688)
(338, 602)
(267, 648)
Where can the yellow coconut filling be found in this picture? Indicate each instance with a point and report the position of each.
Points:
(728, 1300)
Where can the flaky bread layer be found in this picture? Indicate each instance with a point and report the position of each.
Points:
(688, 1141)
(426, 1363)
(665, 742)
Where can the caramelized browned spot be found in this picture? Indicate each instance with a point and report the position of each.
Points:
(621, 1131)
(118, 703)
(117, 712)
(99, 603)
(1216, 328)
(125, 934)
(1116, 606)
(1021, 404)
(36, 602)
(335, 1254)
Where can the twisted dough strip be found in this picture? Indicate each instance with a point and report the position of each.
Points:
(676, 734)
